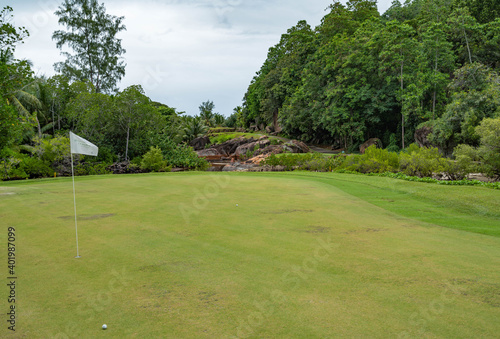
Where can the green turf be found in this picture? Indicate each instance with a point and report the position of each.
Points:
(303, 255)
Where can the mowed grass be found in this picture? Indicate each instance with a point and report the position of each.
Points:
(257, 255)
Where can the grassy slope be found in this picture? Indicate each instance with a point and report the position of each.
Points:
(177, 258)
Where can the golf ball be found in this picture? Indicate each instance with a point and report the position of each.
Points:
(104, 326)
(236, 205)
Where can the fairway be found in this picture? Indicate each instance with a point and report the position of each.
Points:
(252, 255)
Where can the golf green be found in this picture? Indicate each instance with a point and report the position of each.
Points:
(249, 255)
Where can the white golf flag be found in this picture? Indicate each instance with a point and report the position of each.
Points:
(81, 146)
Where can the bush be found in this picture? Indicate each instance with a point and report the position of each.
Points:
(52, 150)
(456, 170)
(153, 161)
(92, 168)
(9, 168)
(486, 157)
(308, 161)
(35, 168)
(375, 160)
(421, 161)
(182, 156)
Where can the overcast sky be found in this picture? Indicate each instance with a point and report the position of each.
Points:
(182, 52)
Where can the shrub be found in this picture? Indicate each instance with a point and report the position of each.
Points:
(375, 160)
(35, 168)
(153, 161)
(9, 168)
(92, 168)
(182, 156)
(52, 150)
(421, 161)
(455, 170)
(485, 158)
(308, 161)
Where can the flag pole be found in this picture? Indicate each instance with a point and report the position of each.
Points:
(79, 145)
(74, 204)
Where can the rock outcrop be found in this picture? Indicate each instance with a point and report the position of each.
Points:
(200, 143)
(246, 153)
(421, 135)
(370, 142)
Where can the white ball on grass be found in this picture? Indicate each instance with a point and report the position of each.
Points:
(104, 326)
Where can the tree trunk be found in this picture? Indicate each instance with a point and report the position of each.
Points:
(402, 108)
(126, 147)
(39, 128)
(435, 71)
(275, 121)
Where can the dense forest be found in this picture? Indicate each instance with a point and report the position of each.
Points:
(424, 65)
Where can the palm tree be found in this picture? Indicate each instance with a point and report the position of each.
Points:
(206, 112)
(20, 98)
(193, 128)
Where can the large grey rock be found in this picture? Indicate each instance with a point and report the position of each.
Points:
(200, 143)
(295, 146)
(229, 147)
(208, 152)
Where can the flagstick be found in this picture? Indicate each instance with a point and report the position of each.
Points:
(74, 203)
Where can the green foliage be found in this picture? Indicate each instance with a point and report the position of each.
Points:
(35, 167)
(21, 166)
(421, 161)
(182, 156)
(153, 161)
(219, 138)
(9, 166)
(10, 128)
(375, 160)
(92, 36)
(399, 175)
(476, 96)
(91, 168)
(193, 128)
(207, 113)
(52, 150)
(488, 153)
(135, 115)
(308, 161)
(360, 76)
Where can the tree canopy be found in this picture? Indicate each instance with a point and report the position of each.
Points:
(91, 34)
(360, 75)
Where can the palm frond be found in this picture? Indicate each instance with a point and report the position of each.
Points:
(19, 107)
(47, 127)
(27, 148)
(28, 99)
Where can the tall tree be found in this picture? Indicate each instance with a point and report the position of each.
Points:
(398, 63)
(465, 34)
(135, 114)
(92, 36)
